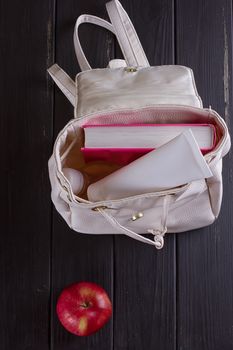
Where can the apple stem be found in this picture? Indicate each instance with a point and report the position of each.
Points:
(86, 304)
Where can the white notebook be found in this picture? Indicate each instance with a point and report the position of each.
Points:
(145, 135)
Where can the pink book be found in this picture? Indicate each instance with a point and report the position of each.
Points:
(124, 143)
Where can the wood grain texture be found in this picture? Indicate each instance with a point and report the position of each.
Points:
(205, 284)
(25, 137)
(179, 298)
(78, 257)
(145, 310)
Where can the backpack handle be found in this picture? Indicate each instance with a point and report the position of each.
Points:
(82, 60)
(125, 32)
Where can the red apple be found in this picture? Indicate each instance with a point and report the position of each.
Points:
(83, 308)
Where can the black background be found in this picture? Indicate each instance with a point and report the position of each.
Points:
(180, 298)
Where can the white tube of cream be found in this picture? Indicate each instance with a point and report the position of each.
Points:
(175, 163)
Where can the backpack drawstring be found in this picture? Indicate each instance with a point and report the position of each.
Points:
(158, 240)
(159, 234)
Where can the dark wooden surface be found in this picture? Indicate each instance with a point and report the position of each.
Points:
(180, 298)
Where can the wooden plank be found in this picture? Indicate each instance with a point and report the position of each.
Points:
(25, 137)
(145, 297)
(78, 257)
(205, 299)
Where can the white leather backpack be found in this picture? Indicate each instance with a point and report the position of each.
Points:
(131, 91)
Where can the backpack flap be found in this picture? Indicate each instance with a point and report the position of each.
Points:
(103, 90)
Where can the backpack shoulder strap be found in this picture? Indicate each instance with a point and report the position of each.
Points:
(126, 34)
(64, 82)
